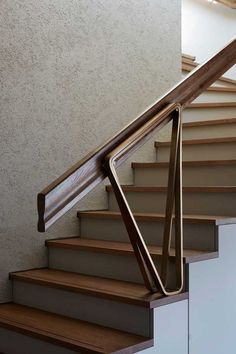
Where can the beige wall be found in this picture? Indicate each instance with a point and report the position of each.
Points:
(72, 73)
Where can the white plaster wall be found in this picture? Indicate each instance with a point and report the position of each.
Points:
(72, 73)
(212, 293)
(170, 327)
(207, 28)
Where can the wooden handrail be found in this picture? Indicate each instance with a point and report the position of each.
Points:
(56, 199)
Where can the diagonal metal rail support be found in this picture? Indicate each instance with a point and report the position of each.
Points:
(153, 281)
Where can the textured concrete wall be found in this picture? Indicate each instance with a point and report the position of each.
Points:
(72, 73)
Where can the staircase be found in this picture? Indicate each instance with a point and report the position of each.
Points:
(91, 298)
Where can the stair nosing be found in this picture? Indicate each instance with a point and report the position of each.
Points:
(199, 141)
(192, 163)
(196, 189)
(210, 122)
(70, 342)
(188, 56)
(153, 217)
(189, 62)
(211, 105)
(222, 89)
(111, 247)
(147, 301)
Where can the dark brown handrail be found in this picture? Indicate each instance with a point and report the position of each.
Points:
(55, 200)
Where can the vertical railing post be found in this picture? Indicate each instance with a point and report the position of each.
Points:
(174, 191)
(179, 211)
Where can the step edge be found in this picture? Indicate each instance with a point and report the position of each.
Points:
(61, 243)
(226, 121)
(189, 56)
(199, 141)
(210, 105)
(111, 296)
(193, 163)
(221, 78)
(57, 339)
(131, 300)
(195, 189)
(106, 214)
(221, 89)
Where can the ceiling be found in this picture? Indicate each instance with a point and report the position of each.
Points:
(229, 3)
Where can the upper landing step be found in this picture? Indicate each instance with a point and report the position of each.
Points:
(188, 57)
(76, 335)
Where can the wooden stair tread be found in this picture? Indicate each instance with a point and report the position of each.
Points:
(199, 141)
(187, 67)
(221, 89)
(210, 122)
(212, 105)
(70, 333)
(111, 289)
(189, 63)
(185, 163)
(124, 248)
(188, 57)
(208, 189)
(203, 219)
